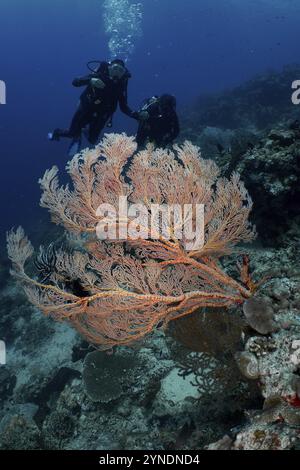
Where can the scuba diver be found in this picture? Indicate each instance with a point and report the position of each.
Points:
(159, 122)
(106, 87)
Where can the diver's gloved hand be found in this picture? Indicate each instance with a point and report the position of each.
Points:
(135, 115)
(97, 83)
(143, 116)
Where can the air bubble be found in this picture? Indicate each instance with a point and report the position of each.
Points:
(123, 23)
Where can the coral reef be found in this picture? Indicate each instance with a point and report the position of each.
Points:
(268, 161)
(145, 413)
(100, 385)
(115, 293)
(259, 315)
(254, 129)
(273, 166)
(218, 379)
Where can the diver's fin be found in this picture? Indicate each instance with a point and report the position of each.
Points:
(55, 135)
(74, 147)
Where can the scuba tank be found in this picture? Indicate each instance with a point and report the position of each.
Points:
(146, 107)
(148, 103)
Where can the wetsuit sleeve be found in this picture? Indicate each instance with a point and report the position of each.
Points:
(83, 81)
(123, 102)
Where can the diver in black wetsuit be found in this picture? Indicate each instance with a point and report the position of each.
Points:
(159, 122)
(105, 89)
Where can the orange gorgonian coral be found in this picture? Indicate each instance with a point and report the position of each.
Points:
(116, 292)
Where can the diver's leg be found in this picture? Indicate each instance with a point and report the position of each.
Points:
(142, 134)
(96, 126)
(77, 124)
(79, 120)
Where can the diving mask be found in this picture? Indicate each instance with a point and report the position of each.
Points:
(116, 71)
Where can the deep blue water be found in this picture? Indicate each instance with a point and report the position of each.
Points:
(188, 47)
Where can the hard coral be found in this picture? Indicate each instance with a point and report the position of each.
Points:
(116, 291)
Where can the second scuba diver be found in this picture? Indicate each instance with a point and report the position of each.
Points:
(159, 122)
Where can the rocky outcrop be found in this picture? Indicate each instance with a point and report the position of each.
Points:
(258, 104)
